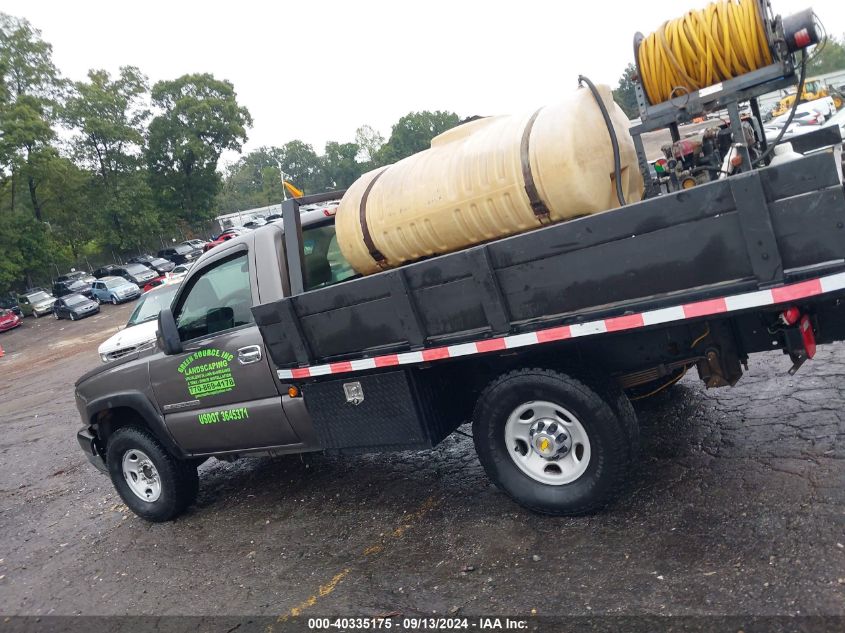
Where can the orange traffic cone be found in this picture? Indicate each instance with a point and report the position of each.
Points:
(2, 353)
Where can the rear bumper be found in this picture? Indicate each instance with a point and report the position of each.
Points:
(88, 444)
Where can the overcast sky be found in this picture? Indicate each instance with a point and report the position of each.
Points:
(317, 70)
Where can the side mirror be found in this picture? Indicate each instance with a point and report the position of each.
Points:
(167, 336)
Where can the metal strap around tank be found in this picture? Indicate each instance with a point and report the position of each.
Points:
(375, 253)
(537, 205)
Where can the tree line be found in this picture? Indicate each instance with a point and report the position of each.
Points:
(99, 169)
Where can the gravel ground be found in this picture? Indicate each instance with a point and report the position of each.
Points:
(737, 508)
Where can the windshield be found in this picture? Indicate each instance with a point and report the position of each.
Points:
(151, 304)
(75, 300)
(158, 261)
(115, 283)
(184, 248)
(136, 269)
(4, 313)
(38, 296)
(76, 284)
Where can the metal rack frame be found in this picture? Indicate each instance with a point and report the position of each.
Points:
(727, 94)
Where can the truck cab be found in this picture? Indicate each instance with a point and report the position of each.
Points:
(212, 391)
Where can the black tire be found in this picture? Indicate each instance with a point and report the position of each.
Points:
(179, 479)
(73, 316)
(35, 314)
(114, 300)
(603, 411)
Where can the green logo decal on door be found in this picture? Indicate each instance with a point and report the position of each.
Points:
(211, 377)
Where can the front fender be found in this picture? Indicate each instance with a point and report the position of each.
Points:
(141, 405)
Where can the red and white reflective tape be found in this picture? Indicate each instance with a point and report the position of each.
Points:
(721, 305)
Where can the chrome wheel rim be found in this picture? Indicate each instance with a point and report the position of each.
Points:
(547, 442)
(141, 475)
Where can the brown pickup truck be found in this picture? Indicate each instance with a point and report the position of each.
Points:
(273, 345)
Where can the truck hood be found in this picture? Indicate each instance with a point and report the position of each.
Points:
(133, 336)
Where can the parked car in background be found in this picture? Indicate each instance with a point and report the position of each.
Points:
(138, 274)
(77, 275)
(226, 235)
(256, 223)
(10, 303)
(805, 120)
(178, 273)
(114, 290)
(154, 283)
(158, 264)
(195, 243)
(9, 320)
(36, 301)
(75, 306)
(105, 271)
(838, 119)
(273, 216)
(63, 288)
(180, 253)
(140, 330)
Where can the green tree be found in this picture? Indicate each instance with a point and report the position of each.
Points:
(625, 94)
(27, 250)
(70, 210)
(253, 181)
(413, 133)
(301, 165)
(338, 168)
(28, 101)
(831, 57)
(108, 117)
(200, 119)
(369, 142)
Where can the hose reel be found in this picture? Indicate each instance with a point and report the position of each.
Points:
(725, 40)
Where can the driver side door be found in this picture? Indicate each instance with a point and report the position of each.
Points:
(219, 395)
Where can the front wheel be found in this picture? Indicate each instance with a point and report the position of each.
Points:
(114, 300)
(73, 316)
(35, 314)
(555, 444)
(152, 482)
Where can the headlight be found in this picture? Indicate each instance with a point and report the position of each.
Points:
(104, 358)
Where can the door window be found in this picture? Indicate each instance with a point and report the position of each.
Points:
(219, 299)
(324, 263)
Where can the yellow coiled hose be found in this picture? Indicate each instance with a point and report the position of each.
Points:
(724, 40)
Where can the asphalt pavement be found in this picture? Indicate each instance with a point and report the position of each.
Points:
(737, 508)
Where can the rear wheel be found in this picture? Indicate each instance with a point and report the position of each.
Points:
(555, 444)
(151, 481)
